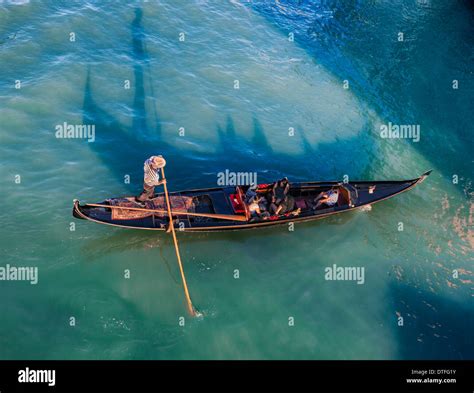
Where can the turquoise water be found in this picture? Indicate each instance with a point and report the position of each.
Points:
(283, 84)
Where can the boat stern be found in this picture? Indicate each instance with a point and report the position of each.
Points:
(76, 210)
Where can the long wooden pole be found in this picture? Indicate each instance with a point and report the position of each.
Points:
(191, 309)
(174, 212)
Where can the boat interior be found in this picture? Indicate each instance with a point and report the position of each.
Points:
(303, 198)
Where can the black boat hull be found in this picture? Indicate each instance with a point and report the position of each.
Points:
(217, 201)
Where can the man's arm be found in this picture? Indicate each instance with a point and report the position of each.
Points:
(156, 183)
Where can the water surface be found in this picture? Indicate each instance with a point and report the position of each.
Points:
(283, 84)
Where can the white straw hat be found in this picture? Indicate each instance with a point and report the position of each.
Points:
(159, 161)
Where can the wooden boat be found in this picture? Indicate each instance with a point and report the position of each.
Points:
(224, 208)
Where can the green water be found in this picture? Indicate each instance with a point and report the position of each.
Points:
(190, 84)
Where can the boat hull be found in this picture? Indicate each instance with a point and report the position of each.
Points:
(218, 201)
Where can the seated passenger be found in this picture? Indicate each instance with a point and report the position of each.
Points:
(280, 190)
(257, 208)
(328, 198)
(251, 192)
(285, 206)
(263, 204)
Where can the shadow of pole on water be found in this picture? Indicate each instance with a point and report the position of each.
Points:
(140, 58)
(124, 149)
(142, 71)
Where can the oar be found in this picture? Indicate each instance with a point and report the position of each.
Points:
(174, 212)
(191, 309)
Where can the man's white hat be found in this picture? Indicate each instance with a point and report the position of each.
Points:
(159, 161)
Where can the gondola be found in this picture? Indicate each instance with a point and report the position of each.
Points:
(224, 208)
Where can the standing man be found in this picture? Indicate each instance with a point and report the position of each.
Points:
(151, 177)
